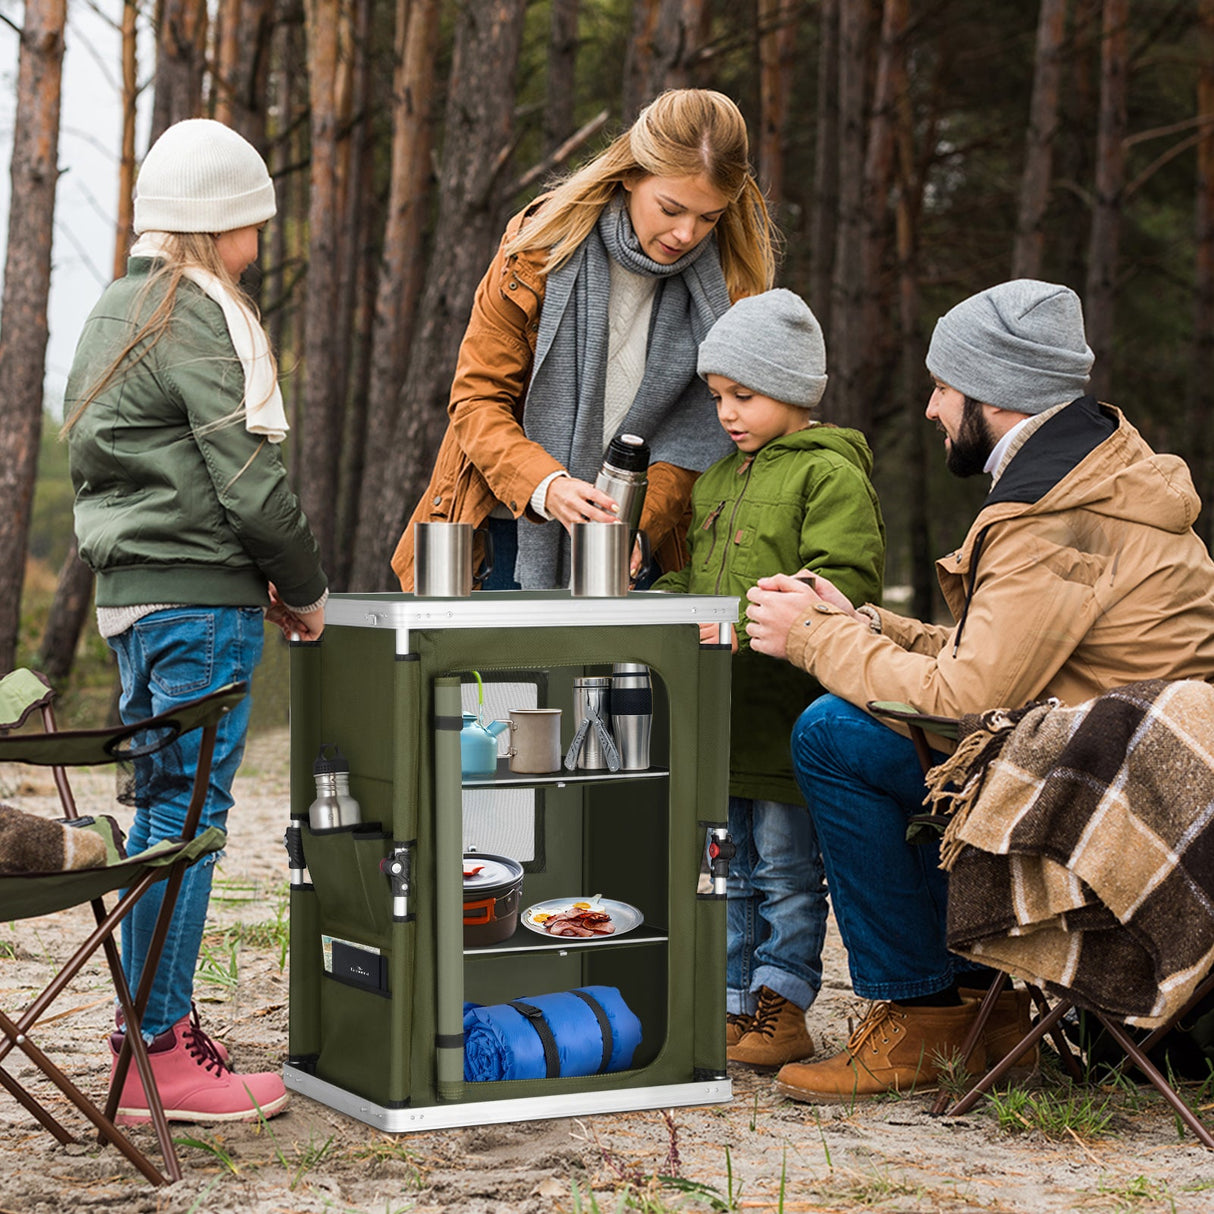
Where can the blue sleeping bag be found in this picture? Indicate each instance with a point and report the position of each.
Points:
(578, 1032)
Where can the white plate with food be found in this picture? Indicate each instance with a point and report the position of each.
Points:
(575, 919)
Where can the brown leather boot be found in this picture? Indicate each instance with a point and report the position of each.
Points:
(893, 1049)
(777, 1035)
(736, 1023)
(1009, 1022)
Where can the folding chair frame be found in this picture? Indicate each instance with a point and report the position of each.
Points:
(1049, 1019)
(97, 747)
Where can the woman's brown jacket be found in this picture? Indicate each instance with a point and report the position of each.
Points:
(486, 411)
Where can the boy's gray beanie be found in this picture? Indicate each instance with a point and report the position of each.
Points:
(772, 344)
(1019, 346)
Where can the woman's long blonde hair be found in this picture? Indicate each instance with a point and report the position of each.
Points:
(181, 251)
(681, 133)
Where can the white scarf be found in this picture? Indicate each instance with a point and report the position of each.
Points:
(264, 413)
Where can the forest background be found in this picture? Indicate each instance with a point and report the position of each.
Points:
(912, 151)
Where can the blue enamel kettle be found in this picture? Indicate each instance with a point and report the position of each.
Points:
(478, 745)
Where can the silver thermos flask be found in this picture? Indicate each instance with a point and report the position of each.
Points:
(624, 477)
(631, 714)
(333, 806)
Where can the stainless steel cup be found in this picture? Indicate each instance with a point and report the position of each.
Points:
(592, 699)
(600, 554)
(535, 740)
(442, 560)
(631, 714)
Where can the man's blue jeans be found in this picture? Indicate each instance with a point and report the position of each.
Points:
(862, 781)
(776, 905)
(165, 659)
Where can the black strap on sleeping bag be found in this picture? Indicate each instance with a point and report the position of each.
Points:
(604, 1024)
(552, 1059)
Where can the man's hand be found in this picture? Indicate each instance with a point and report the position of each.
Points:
(570, 501)
(776, 603)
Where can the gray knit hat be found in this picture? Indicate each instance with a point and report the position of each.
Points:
(201, 176)
(1018, 346)
(772, 343)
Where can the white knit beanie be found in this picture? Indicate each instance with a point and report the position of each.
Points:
(770, 343)
(201, 176)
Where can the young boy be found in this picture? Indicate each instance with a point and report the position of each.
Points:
(794, 497)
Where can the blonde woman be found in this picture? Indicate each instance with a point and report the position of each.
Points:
(587, 324)
(184, 513)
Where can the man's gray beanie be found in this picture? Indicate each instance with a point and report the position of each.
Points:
(772, 344)
(1018, 346)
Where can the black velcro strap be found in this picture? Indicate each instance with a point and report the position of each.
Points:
(449, 1041)
(453, 723)
(552, 1059)
(604, 1024)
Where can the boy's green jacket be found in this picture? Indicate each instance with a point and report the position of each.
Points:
(802, 501)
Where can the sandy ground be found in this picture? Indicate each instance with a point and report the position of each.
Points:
(760, 1152)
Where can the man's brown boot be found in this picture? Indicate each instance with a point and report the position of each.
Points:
(893, 1049)
(736, 1023)
(777, 1035)
(1009, 1022)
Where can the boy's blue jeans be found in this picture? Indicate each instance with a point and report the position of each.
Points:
(776, 905)
(862, 781)
(165, 659)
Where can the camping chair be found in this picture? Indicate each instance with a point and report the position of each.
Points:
(928, 828)
(29, 895)
(931, 825)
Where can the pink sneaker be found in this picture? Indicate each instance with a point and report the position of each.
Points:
(217, 1046)
(194, 1082)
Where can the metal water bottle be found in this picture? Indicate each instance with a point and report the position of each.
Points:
(333, 806)
(624, 477)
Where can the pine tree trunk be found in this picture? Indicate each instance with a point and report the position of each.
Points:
(180, 64)
(323, 395)
(27, 280)
(126, 163)
(69, 610)
(559, 106)
(1039, 141)
(777, 62)
(1101, 289)
(824, 212)
(850, 405)
(400, 281)
(478, 137)
(1201, 387)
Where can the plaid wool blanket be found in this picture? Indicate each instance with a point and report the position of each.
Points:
(1081, 847)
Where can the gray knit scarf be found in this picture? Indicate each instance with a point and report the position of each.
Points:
(563, 411)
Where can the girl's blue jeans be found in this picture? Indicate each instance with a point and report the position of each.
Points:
(776, 905)
(862, 781)
(166, 659)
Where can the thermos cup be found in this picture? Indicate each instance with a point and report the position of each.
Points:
(631, 714)
(442, 560)
(600, 554)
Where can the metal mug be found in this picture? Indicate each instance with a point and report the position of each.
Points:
(600, 553)
(535, 740)
(442, 560)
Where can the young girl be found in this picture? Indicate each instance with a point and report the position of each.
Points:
(184, 513)
(638, 252)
